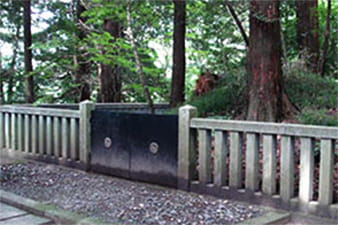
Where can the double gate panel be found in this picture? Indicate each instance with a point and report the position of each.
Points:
(141, 147)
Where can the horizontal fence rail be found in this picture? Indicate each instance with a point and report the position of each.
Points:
(266, 128)
(40, 111)
(291, 164)
(56, 135)
(119, 107)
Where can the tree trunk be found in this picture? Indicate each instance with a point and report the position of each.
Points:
(2, 99)
(110, 77)
(322, 60)
(178, 74)
(29, 82)
(267, 100)
(12, 72)
(307, 32)
(82, 73)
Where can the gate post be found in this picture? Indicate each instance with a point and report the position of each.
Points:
(86, 108)
(186, 147)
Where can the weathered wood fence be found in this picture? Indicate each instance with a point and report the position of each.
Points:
(232, 159)
(58, 133)
(243, 163)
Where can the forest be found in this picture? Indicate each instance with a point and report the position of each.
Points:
(272, 60)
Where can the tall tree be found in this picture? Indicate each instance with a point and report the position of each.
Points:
(178, 74)
(29, 82)
(82, 73)
(322, 59)
(2, 99)
(307, 32)
(110, 77)
(267, 100)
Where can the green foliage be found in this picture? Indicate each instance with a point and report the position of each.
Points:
(306, 90)
(213, 42)
(318, 117)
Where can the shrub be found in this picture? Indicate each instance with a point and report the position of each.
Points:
(308, 90)
(319, 117)
(225, 100)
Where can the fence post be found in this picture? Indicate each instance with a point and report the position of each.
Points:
(2, 131)
(86, 108)
(186, 144)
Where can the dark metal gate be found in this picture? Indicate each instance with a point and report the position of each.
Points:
(141, 147)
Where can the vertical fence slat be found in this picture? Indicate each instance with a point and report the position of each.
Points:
(34, 131)
(49, 135)
(27, 133)
(235, 168)
(2, 131)
(269, 164)
(13, 132)
(65, 138)
(220, 158)
(56, 136)
(326, 172)
(252, 161)
(7, 131)
(73, 139)
(204, 151)
(306, 170)
(287, 163)
(20, 133)
(42, 133)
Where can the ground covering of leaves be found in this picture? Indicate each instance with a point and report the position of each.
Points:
(117, 200)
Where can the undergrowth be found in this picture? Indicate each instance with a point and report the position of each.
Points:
(316, 98)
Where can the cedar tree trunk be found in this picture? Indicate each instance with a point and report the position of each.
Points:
(2, 99)
(322, 60)
(110, 77)
(307, 32)
(267, 101)
(82, 73)
(178, 75)
(29, 82)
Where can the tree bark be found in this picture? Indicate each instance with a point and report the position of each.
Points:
(82, 73)
(307, 32)
(29, 82)
(2, 99)
(322, 60)
(267, 100)
(178, 74)
(12, 72)
(110, 77)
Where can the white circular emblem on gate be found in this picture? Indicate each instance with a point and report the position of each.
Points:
(107, 142)
(153, 147)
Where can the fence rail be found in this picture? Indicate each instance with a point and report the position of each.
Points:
(259, 160)
(119, 107)
(40, 111)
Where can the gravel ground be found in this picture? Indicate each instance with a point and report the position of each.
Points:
(117, 200)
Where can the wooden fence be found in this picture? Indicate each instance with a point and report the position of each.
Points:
(259, 162)
(59, 135)
(265, 163)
